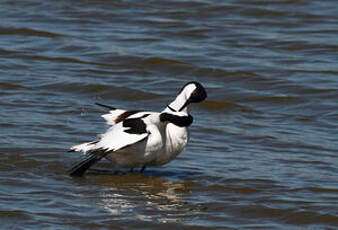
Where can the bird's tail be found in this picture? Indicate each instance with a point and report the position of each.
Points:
(85, 147)
(80, 168)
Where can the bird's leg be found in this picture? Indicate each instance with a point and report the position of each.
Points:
(143, 168)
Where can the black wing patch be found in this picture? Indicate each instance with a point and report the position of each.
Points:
(135, 125)
(125, 115)
(81, 167)
(122, 116)
(182, 121)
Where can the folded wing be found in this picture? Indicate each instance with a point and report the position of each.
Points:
(120, 135)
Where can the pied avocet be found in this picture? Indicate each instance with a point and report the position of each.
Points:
(141, 139)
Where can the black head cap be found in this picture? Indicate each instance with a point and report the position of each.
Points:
(197, 95)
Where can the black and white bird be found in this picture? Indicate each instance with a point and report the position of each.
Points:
(140, 138)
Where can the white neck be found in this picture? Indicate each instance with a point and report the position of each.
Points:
(179, 102)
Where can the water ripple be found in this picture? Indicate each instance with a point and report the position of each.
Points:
(262, 148)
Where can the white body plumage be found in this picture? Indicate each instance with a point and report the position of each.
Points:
(140, 139)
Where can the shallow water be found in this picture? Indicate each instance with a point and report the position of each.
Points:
(263, 148)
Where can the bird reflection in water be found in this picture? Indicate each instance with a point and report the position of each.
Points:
(130, 194)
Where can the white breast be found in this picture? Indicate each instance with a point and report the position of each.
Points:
(176, 138)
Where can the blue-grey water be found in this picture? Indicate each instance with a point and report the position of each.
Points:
(263, 152)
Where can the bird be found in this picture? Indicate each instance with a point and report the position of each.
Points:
(142, 138)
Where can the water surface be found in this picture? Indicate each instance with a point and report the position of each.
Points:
(263, 149)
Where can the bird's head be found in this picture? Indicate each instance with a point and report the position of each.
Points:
(177, 111)
(194, 93)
